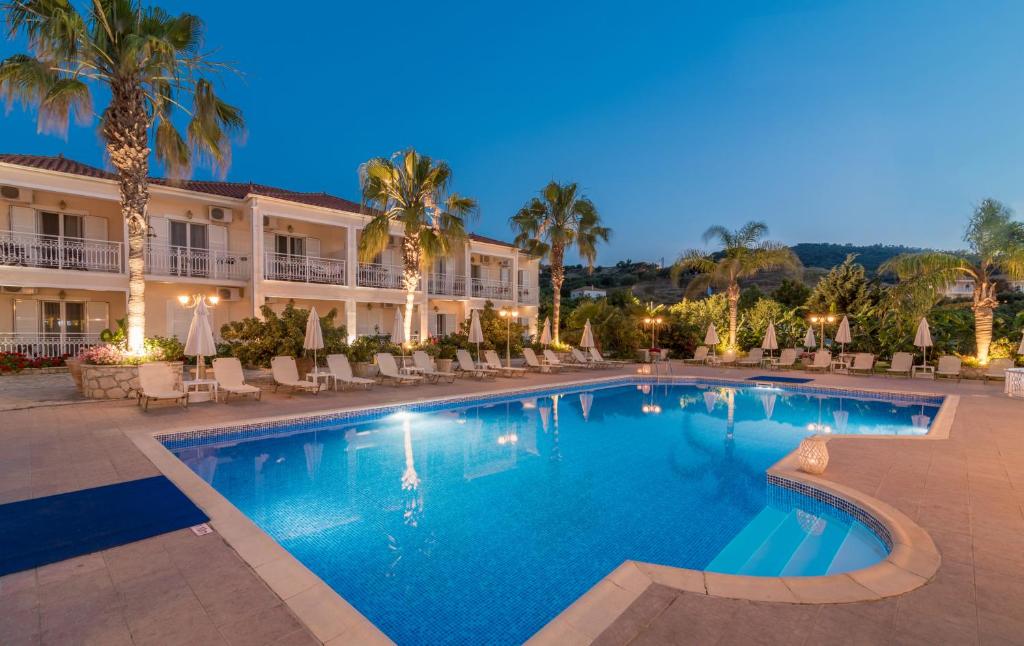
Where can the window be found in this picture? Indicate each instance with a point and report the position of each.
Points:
(188, 235)
(57, 225)
(290, 245)
(62, 316)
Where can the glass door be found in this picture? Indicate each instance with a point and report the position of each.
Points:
(189, 251)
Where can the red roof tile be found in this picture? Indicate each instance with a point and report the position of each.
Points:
(235, 190)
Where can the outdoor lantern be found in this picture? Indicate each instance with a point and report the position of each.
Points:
(813, 455)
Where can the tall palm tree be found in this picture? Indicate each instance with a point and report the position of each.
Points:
(995, 245)
(152, 66)
(411, 190)
(561, 218)
(744, 254)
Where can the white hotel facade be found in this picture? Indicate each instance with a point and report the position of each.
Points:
(63, 275)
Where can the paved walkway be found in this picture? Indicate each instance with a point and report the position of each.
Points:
(179, 588)
(24, 391)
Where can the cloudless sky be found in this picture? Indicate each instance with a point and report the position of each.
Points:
(852, 122)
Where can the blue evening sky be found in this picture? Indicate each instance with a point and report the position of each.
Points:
(832, 121)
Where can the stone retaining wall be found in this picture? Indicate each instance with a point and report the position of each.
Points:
(116, 382)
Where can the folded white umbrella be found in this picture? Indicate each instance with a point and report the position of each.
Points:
(843, 335)
(770, 342)
(588, 336)
(923, 338)
(768, 403)
(809, 341)
(586, 401)
(199, 342)
(711, 338)
(314, 335)
(545, 333)
(476, 335)
(710, 399)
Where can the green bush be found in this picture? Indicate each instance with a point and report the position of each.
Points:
(255, 341)
(363, 349)
(495, 330)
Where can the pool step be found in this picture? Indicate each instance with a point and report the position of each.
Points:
(818, 549)
(860, 549)
(738, 551)
(777, 548)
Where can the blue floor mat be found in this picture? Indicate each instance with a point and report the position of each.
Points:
(46, 530)
(781, 380)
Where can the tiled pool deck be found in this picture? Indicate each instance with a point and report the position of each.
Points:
(967, 491)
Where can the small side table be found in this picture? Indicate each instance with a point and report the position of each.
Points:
(924, 372)
(326, 377)
(194, 389)
(840, 366)
(1014, 386)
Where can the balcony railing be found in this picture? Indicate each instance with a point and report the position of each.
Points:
(58, 252)
(487, 288)
(446, 285)
(47, 345)
(170, 260)
(304, 269)
(527, 294)
(372, 274)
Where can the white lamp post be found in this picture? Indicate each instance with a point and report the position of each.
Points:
(508, 314)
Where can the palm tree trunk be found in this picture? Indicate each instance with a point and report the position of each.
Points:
(984, 305)
(126, 134)
(410, 279)
(733, 296)
(557, 278)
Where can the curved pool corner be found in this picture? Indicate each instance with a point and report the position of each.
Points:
(912, 561)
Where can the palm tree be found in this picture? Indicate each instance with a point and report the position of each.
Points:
(744, 254)
(549, 225)
(411, 191)
(995, 245)
(151, 65)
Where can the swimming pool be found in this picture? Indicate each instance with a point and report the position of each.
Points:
(480, 522)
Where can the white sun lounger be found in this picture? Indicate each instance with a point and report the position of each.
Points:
(156, 382)
(469, 367)
(863, 364)
(949, 366)
(533, 363)
(595, 354)
(426, 367)
(552, 360)
(752, 359)
(341, 370)
(822, 361)
(901, 364)
(389, 370)
(700, 355)
(578, 359)
(996, 369)
(494, 363)
(231, 380)
(286, 373)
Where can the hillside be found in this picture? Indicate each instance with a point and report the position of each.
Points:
(649, 282)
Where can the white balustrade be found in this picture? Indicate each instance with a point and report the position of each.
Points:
(47, 345)
(304, 269)
(488, 288)
(59, 252)
(371, 274)
(170, 260)
(446, 285)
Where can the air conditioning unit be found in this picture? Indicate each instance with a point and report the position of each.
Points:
(269, 222)
(11, 289)
(229, 293)
(394, 241)
(220, 214)
(16, 194)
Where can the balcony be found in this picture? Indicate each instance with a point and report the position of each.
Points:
(372, 274)
(494, 289)
(446, 285)
(169, 260)
(527, 294)
(304, 269)
(55, 252)
(47, 345)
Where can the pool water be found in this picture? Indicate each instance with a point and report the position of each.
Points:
(479, 524)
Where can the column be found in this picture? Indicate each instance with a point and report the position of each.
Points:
(351, 319)
(351, 256)
(515, 278)
(424, 320)
(256, 226)
(469, 273)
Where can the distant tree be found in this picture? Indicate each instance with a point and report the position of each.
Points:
(749, 296)
(995, 245)
(559, 219)
(744, 254)
(843, 290)
(792, 293)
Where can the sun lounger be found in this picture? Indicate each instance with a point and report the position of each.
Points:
(389, 370)
(286, 373)
(425, 365)
(949, 367)
(902, 363)
(752, 359)
(157, 382)
(231, 380)
(494, 363)
(700, 355)
(552, 360)
(595, 354)
(725, 360)
(822, 361)
(533, 363)
(469, 367)
(863, 364)
(341, 371)
(996, 369)
(580, 360)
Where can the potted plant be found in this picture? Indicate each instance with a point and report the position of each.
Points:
(445, 356)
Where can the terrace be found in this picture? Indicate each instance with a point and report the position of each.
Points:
(964, 491)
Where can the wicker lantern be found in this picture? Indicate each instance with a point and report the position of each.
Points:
(813, 455)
